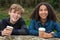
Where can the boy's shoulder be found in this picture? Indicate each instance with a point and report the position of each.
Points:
(4, 20)
(21, 19)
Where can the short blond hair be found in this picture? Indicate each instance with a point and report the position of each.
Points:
(16, 7)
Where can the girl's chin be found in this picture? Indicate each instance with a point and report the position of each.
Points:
(43, 18)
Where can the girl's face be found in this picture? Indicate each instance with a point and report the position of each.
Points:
(43, 12)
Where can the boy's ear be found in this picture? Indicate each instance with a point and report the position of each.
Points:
(9, 13)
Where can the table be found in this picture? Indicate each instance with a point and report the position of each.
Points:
(25, 37)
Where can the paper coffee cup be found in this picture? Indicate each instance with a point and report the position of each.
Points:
(41, 32)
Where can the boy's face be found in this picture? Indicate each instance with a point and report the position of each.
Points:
(14, 15)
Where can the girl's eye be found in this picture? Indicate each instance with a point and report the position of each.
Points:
(40, 10)
(45, 9)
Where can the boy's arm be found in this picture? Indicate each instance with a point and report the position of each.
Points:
(22, 31)
(2, 26)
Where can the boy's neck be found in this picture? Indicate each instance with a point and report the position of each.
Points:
(12, 22)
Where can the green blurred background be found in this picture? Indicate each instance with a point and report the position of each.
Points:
(28, 5)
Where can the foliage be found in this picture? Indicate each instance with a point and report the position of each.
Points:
(29, 3)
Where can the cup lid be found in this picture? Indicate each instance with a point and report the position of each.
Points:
(9, 27)
(42, 29)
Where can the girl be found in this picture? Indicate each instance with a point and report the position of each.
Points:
(44, 16)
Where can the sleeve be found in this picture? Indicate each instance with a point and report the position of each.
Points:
(32, 31)
(22, 31)
(57, 28)
(2, 26)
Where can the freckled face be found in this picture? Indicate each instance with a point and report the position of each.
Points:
(14, 16)
(43, 12)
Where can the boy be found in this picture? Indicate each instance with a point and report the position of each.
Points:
(15, 21)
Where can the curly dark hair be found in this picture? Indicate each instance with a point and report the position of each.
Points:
(51, 12)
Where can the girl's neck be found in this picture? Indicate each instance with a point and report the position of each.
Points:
(43, 21)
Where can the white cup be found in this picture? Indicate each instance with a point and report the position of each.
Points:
(41, 31)
(9, 27)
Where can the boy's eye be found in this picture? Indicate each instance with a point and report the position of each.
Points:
(19, 13)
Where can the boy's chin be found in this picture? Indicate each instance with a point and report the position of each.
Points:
(15, 20)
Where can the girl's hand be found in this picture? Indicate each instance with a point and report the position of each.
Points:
(46, 35)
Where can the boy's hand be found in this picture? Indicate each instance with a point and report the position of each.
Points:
(6, 32)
